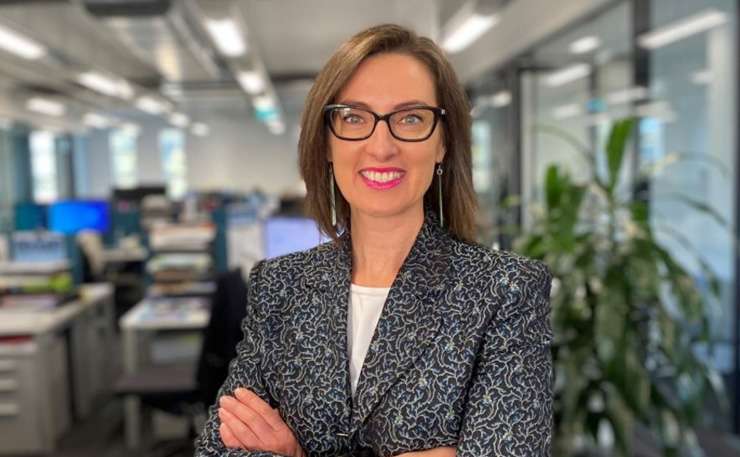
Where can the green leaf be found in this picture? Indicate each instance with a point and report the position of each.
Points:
(615, 148)
(554, 187)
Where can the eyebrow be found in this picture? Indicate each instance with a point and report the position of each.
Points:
(406, 104)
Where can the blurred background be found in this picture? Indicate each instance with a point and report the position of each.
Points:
(148, 160)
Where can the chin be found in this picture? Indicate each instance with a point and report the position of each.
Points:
(384, 209)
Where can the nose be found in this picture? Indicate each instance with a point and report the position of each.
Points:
(381, 143)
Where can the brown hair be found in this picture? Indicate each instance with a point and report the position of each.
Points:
(459, 199)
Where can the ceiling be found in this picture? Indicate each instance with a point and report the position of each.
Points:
(170, 50)
(162, 48)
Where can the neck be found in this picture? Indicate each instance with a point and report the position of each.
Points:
(381, 244)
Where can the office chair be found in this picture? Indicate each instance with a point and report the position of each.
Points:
(93, 253)
(186, 389)
(168, 388)
(228, 309)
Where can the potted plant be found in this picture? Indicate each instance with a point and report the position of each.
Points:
(627, 316)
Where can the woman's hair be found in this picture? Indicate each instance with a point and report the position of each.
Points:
(459, 201)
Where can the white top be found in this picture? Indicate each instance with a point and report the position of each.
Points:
(366, 304)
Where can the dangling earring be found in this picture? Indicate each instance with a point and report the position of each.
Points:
(439, 194)
(333, 200)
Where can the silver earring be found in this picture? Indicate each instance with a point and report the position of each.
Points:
(333, 199)
(439, 193)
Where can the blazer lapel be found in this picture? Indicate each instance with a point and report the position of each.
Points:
(409, 320)
(332, 281)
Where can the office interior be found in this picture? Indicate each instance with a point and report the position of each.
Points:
(148, 159)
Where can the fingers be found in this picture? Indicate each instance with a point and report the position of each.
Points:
(251, 424)
(269, 415)
(227, 436)
(239, 433)
(435, 452)
(247, 418)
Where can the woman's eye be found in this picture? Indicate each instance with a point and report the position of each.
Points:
(352, 119)
(411, 119)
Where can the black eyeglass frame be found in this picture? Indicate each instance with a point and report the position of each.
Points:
(438, 114)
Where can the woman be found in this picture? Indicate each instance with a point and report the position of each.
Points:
(401, 335)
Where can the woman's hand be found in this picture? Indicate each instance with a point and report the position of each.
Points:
(436, 452)
(247, 422)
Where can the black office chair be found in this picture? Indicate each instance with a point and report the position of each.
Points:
(228, 309)
(187, 389)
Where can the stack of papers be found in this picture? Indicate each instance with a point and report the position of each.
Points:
(183, 237)
(30, 302)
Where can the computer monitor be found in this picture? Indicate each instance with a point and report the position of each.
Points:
(37, 246)
(284, 235)
(29, 216)
(71, 216)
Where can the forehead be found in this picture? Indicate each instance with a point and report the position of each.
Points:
(385, 80)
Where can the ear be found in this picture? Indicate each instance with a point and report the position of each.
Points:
(440, 154)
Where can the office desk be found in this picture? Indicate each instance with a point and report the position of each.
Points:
(125, 255)
(142, 320)
(34, 350)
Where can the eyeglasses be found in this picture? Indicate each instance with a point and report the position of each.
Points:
(409, 124)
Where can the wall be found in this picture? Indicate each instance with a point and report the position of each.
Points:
(93, 176)
(242, 155)
(238, 154)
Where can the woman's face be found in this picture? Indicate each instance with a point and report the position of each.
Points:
(382, 176)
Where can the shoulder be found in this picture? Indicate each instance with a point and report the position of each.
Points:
(274, 282)
(488, 264)
(291, 268)
(498, 282)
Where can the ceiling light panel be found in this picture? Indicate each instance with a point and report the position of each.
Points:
(200, 129)
(567, 75)
(501, 99)
(251, 81)
(46, 106)
(179, 120)
(95, 120)
(684, 28)
(468, 31)
(15, 43)
(227, 36)
(106, 85)
(585, 45)
(152, 105)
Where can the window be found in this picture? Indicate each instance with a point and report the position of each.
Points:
(688, 136)
(583, 81)
(123, 156)
(44, 167)
(172, 150)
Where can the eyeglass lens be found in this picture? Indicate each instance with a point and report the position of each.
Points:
(355, 123)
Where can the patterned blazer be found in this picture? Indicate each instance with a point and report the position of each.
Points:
(460, 356)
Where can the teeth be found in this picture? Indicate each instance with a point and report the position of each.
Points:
(381, 177)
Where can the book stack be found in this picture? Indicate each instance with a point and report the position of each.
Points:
(35, 286)
(181, 256)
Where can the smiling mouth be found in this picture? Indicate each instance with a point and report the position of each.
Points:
(382, 177)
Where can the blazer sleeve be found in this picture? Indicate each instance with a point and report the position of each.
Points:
(509, 406)
(244, 371)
